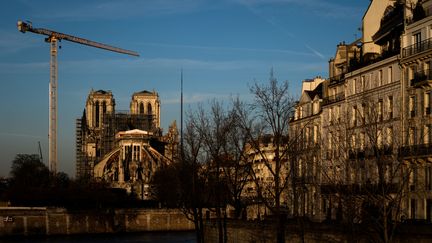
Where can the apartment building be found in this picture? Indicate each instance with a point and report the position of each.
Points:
(373, 121)
(416, 82)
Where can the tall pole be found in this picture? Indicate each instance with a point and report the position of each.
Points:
(181, 115)
(52, 133)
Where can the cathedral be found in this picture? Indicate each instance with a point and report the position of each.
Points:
(123, 148)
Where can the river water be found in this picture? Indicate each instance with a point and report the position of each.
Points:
(146, 237)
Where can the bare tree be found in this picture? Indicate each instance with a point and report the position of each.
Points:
(268, 145)
(194, 198)
(363, 171)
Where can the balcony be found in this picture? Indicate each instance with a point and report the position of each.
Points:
(422, 78)
(370, 152)
(417, 48)
(363, 188)
(334, 98)
(337, 79)
(416, 150)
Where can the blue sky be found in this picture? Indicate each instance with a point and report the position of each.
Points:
(222, 46)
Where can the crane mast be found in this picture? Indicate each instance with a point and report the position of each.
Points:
(53, 38)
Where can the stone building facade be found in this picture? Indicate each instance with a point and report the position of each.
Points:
(372, 117)
(123, 148)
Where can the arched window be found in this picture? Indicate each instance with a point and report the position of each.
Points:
(104, 107)
(149, 109)
(141, 108)
(97, 114)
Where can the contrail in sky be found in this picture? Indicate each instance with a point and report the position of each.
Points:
(274, 24)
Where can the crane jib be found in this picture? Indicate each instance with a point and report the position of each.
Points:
(61, 36)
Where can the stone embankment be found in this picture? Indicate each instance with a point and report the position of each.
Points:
(16, 221)
(242, 231)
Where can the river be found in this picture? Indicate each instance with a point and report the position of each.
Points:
(146, 237)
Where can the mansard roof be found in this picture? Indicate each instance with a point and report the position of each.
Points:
(310, 95)
(316, 92)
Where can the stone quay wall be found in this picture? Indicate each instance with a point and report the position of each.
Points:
(23, 221)
(242, 231)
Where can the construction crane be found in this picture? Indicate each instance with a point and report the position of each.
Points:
(53, 38)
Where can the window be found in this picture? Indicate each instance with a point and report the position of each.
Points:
(412, 136)
(413, 72)
(363, 83)
(390, 75)
(380, 75)
(354, 115)
(363, 113)
(390, 107)
(315, 139)
(426, 103)
(412, 106)
(353, 141)
(97, 114)
(141, 108)
(331, 115)
(417, 40)
(428, 178)
(390, 136)
(362, 140)
(104, 107)
(354, 83)
(380, 110)
(315, 107)
(413, 208)
(337, 111)
(149, 109)
(379, 139)
(427, 134)
(413, 178)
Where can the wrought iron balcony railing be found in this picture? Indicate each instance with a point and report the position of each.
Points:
(333, 98)
(417, 48)
(421, 77)
(416, 150)
(337, 79)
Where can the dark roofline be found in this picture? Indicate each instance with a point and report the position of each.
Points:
(364, 15)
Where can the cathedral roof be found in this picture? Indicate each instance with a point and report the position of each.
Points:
(143, 92)
(133, 133)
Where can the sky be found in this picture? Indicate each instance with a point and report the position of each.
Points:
(222, 46)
